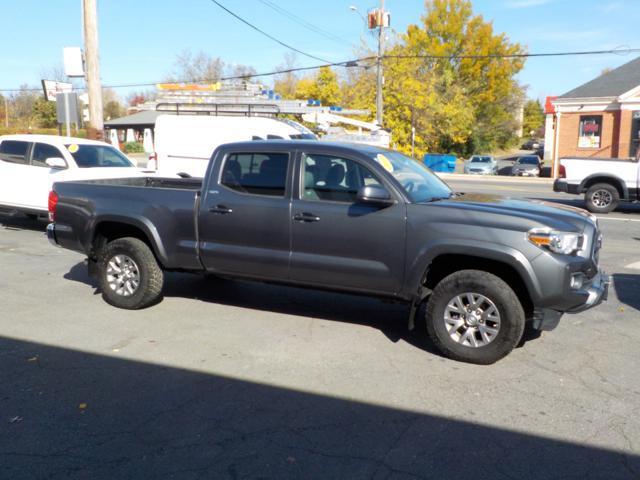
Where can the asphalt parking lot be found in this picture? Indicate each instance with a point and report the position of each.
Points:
(240, 380)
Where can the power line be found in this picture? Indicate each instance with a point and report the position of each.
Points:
(303, 22)
(619, 51)
(355, 63)
(266, 34)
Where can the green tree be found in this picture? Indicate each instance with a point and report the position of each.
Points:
(323, 86)
(533, 118)
(435, 81)
(113, 109)
(44, 113)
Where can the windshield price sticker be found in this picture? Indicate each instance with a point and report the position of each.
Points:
(385, 162)
(73, 148)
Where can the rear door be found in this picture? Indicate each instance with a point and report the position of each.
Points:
(15, 173)
(244, 220)
(338, 242)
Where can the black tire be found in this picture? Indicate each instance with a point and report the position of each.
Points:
(32, 216)
(150, 275)
(512, 318)
(596, 196)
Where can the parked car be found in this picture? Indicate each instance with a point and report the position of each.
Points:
(351, 218)
(605, 182)
(184, 143)
(527, 166)
(531, 144)
(481, 165)
(30, 164)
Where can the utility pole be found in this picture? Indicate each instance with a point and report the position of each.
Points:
(92, 62)
(380, 73)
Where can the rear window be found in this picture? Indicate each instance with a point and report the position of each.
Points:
(14, 151)
(528, 160)
(256, 173)
(91, 156)
(481, 160)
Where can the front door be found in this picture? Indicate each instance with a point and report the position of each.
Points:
(41, 175)
(244, 221)
(338, 242)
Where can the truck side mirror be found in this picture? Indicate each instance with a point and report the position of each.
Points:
(374, 195)
(56, 162)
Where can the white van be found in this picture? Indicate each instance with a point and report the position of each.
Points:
(184, 143)
(30, 164)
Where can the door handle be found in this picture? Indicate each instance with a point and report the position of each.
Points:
(306, 217)
(220, 209)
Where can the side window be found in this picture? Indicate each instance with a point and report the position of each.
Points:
(14, 151)
(42, 151)
(256, 173)
(333, 179)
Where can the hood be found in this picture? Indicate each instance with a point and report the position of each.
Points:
(486, 208)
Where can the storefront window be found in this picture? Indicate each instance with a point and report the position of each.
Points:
(590, 131)
(634, 147)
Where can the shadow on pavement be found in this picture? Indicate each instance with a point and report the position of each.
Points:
(627, 288)
(76, 415)
(22, 222)
(388, 317)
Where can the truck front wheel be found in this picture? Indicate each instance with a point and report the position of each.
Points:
(602, 198)
(129, 274)
(474, 316)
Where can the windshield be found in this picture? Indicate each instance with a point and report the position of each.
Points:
(418, 181)
(90, 156)
(528, 160)
(480, 159)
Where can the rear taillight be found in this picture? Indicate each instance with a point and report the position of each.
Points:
(53, 203)
(562, 172)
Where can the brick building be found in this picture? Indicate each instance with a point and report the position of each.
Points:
(599, 119)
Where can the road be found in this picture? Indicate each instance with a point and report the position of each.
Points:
(241, 380)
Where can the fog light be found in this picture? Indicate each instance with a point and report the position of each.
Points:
(577, 280)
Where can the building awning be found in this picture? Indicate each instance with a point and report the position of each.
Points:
(144, 119)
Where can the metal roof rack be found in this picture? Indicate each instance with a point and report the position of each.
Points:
(215, 109)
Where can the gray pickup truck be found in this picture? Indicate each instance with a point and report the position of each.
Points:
(341, 217)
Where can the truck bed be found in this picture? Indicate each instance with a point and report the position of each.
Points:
(162, 208)
(147, 182)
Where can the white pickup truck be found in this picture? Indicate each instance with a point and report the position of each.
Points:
(30, 164)
(604, 182)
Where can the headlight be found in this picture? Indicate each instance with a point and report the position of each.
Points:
(558, 242)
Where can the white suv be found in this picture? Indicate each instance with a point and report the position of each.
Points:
(30, 164)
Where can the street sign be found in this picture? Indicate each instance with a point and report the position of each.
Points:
(67, 109)
(52, 88)
(73, 64)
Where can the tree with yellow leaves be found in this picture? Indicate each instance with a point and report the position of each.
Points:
(323, 86)
(435, 82)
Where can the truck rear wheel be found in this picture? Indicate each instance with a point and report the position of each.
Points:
(475, 317)
(602, 198)
(129, 274)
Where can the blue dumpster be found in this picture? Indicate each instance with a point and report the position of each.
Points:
(440, 162)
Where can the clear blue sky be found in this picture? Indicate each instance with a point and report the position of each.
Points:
(140, 39)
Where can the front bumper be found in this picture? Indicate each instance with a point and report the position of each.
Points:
(51, 234)
(596, 293)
